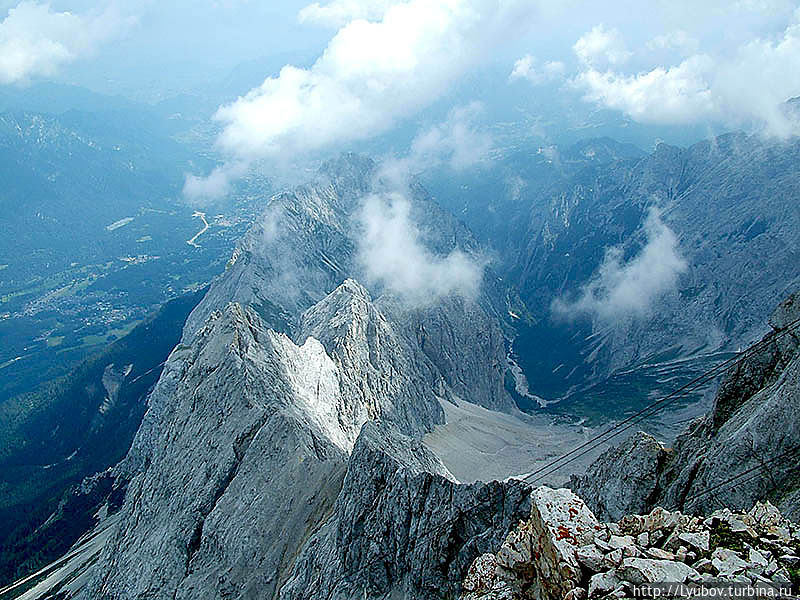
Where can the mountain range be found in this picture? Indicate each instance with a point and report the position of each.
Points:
(282, 452)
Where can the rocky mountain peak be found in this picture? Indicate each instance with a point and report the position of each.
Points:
(384, 376)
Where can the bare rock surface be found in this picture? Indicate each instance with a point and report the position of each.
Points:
(753, 427)
(563, 553)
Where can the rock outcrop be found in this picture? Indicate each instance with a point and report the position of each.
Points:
(624, 479)
(562, 553)
(401, 527)
(752, 429)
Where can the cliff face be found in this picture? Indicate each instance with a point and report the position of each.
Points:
(401, 527)
(753, 425)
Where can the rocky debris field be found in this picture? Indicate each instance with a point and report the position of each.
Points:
(564, 553)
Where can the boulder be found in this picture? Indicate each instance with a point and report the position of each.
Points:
(560, 524)
(727, 562)
(696, 540)
(590, 557)
(646, 570)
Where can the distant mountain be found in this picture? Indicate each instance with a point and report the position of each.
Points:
(75, 174)
(56, 99)
(732, 204)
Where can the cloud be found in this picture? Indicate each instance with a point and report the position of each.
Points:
(35, 41)
(525, 68)
(393, 256)
(756, 81)
(371, 75)
(457, 141)
(678, 94)
(601, 46)
(200, 191)
(629, 289)
(746, 86)
(340, 12)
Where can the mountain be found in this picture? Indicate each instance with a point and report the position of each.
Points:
(306, 243)
(282, 452)
(739, 435)
(251, 442)
(69, 429)
(708, 233)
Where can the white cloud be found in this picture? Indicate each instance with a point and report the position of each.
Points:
(202, 190)
(35, 41)
(457, 142)
(759, 78)
(393, 256)
(526, 68)
(371, 75)
(746, 86)
(630, 289)
(340, 12)
(601, 46)
(678, 94)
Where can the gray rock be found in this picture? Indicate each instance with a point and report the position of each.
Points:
(660, 554)
(645, 570)
(616, 541)
(614, 558)
(704, 565)
(590, 557)
(696, 540)
(757, 561)
(561, 523)
(727, 562)
(612, 492)
(577, 594)
(782, 576)
(603, 583)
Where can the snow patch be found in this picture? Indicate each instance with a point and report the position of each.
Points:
(314, 378)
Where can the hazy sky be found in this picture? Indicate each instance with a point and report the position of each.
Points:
(361, 67)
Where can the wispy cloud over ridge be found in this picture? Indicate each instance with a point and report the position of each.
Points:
(621, 289)
(394, 257)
